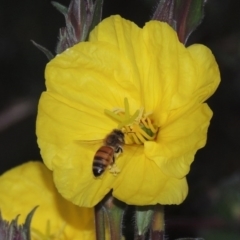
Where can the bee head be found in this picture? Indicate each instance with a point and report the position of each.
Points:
(116, 137)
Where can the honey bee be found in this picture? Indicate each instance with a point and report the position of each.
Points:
(106, 155)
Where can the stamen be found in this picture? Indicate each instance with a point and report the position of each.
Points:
(149, 125)
(125, 118)
(137, 128)
(138, 138)
(126, 105)
(128, 121)
(138, 119)
(113, 115)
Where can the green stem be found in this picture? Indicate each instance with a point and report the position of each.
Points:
(139, 237)
(157, 227)
(99, 222)
(114, 210)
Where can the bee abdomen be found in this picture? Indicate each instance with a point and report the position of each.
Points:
(102, 159)
(98, 166)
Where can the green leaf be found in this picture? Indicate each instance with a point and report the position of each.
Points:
(81, 17)
(78, 18)
(61, 8)
(144, 215)
(97, 16)
(188, 15)
(27, 223)
(164, 12)
(182, 15)
(14, 231)
(48, 54)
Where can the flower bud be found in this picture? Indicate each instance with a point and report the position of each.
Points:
(15, 231)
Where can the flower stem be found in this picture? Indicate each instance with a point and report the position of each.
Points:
(114, 210)
(99, 222)
(139, 237)
(108, 218)
(157, 227)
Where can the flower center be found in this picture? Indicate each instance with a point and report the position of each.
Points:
(137, 128)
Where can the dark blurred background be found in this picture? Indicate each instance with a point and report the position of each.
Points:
(212, 208)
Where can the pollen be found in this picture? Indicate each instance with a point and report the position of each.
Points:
(137, 128)
(114, 169)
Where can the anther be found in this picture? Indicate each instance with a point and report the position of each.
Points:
(137, 128)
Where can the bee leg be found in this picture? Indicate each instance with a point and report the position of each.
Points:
(119, 150)
(113, 161)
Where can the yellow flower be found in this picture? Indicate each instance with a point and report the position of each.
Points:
(26, 186)
(142, 81)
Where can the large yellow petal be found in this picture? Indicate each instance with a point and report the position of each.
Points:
(87, 79)
(178, 142)
(73, 174)
(207, 72)
(153, 70)
(169, 74)
(29, 185)
(75, 181)
(142, 182)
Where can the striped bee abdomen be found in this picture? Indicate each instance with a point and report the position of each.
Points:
(102, 159)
